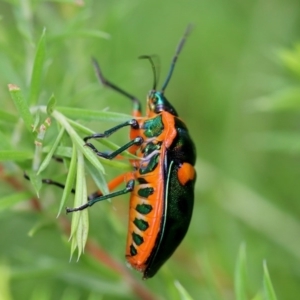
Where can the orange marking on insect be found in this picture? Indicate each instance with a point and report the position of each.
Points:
(139, 261)
(156, 200)
(186, 173)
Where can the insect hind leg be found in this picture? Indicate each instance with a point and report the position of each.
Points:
(50, 182)
(129, 188)
(92, 198)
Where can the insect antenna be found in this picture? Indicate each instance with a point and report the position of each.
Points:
(154, 70)
(178, 50)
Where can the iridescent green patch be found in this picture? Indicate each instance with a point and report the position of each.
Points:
(153, 127)
(145, 192)
(150, 147)
(141, 224)
(151, 165)
(143, 209)
(137, 239)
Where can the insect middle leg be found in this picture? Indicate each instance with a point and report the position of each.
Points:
(137, 141)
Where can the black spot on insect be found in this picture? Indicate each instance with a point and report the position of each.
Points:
(137, 239)
(141, 224)
(143, 209)
(133, 251)
(145, 192)
(142, 180)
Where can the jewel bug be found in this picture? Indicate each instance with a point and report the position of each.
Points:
(162, 179)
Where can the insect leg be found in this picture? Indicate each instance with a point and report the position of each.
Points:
(133, 123)
(137, 141)
(129, 188)
(111, 185)
(50, 182)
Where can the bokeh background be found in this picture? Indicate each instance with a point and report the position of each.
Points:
(236, 85)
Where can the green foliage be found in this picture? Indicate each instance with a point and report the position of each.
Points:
(240, 282)
(268, 287)
(236, 85)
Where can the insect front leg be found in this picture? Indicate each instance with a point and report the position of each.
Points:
(133, 123)
(137, 141)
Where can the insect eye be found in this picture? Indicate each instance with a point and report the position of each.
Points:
(155, 99)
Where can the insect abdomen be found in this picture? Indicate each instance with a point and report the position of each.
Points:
(179, 177)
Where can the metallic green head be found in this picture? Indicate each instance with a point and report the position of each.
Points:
(157, 102)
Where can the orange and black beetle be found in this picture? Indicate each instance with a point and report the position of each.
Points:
(162, 180)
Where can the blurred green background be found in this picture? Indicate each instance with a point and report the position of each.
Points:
(236, 85)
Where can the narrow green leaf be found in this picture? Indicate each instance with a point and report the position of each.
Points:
(51, 105)
(88, 153)
(89, 114)
(82, 230)
(91, 33)
(79, 226)
(70, 180)
(36, 122)
(83, 33)
(35, 180)
(268, 287)
(105, 142)
(98, 178)
(37, 69)
(77, 202)
(240, 275)
(60, 151)
(41, 132)
(83, 226)
(48, 158)
(85, 130)
(11, 200)
(21, 105)
(184, 295)
(12, 155)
